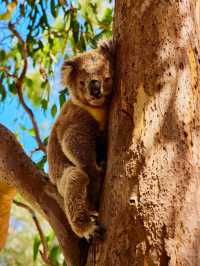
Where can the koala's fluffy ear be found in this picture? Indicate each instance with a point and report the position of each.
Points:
(67, 70)
(107, 47)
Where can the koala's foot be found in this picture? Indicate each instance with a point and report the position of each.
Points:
(95, 232)
(88, 227)
(80, 211)
(98, 233)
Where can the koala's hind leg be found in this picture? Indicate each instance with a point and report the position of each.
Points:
(73, 187)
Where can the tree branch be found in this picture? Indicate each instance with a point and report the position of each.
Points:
(17, 169)
(19, 86)
(6, 70)
(44, 253)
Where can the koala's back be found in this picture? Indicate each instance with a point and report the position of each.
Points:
(71, 115)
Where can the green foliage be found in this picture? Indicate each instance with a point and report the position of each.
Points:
(41, 163)
(52, 30)
(55, 254)
(21, 240)
(36, 245)
(62, 97)
(53, 110)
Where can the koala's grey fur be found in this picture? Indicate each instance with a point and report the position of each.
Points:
(72, 154)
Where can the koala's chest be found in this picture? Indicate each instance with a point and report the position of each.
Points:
(99, 116)
(101, 145)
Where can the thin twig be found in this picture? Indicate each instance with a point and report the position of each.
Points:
(33, 151)
(6, 70)
(44, 253)
(19, 85)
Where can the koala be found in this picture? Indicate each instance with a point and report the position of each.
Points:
(76, 144)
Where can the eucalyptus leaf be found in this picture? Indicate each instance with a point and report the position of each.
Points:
(53, 110)
(2, 92)
(36, 245)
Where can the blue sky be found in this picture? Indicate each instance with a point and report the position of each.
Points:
(12, 114)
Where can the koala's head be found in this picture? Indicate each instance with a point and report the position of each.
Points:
(89, 76)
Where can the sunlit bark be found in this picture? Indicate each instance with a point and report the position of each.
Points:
(150, 201)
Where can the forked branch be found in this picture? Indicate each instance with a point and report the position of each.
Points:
(19, 87)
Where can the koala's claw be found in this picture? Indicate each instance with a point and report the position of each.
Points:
(103, 165)
(94, 213)
(93, 216)
(102, 168)
(97, 234)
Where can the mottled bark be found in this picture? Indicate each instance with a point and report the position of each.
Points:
(17, 169)
(150, 203)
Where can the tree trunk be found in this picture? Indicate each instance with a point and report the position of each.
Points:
(150, 203)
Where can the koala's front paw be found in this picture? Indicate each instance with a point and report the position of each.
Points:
(94, 229)
(96, 232)
(101, 169)
(86, 225)
(103, 166)
(93, 216)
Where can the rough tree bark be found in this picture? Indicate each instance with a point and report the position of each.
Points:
(150, 204)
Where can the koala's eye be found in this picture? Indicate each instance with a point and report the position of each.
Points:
(82, 82)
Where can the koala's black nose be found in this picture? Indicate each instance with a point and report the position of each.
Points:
(95, 88)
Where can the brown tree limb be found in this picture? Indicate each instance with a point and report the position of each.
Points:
(44, 253)
(19, 86)
(17, 169)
